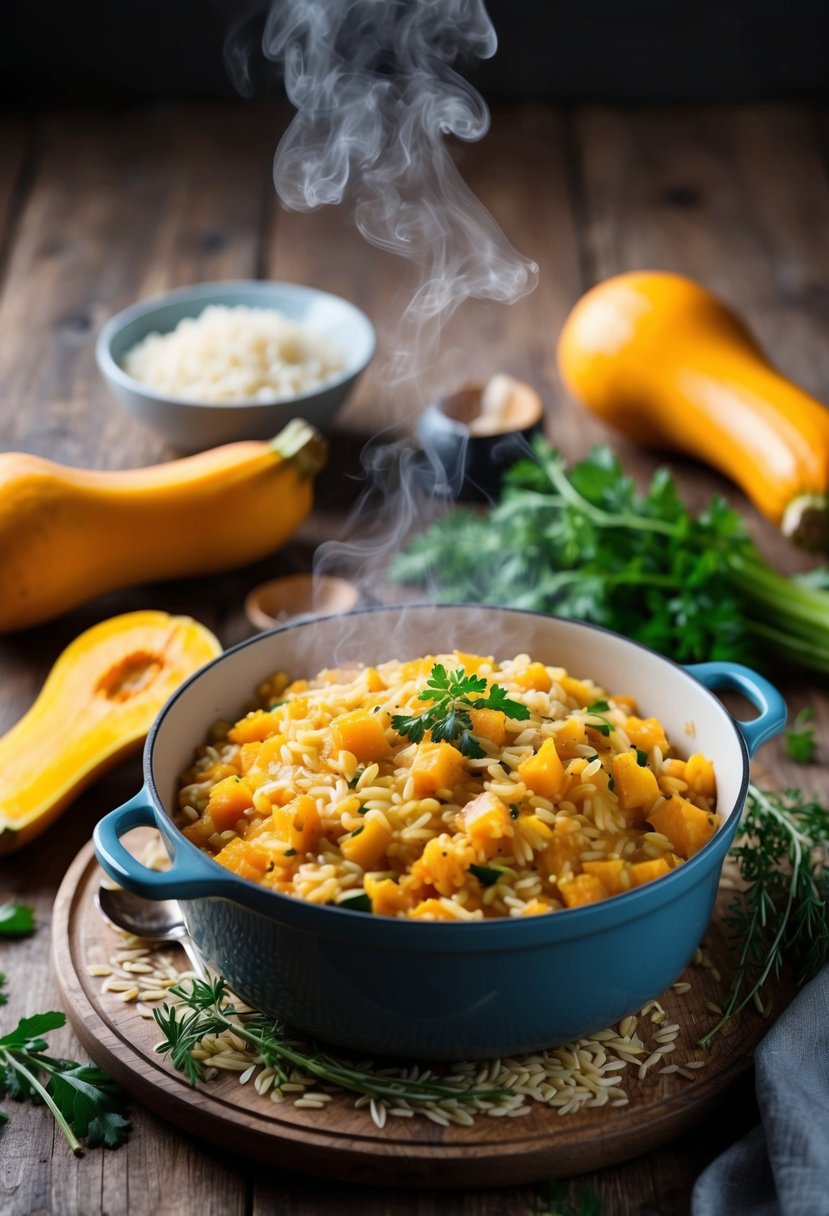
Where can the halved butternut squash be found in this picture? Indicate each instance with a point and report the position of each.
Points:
(98, 702)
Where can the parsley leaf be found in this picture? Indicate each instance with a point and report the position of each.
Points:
(357, 901)
(16, 920)
(85, 1103)
(580, 541)
(487, 876)
(448, 720)
(801, 744)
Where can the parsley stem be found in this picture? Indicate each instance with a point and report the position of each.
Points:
(15, 1062)
(788, 598)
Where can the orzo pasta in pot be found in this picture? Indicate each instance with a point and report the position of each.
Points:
(404, 790)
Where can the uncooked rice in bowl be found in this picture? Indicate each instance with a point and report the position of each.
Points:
(316, 795)
(234, 355)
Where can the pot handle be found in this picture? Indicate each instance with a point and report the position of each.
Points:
(764, 696)
(190, 874)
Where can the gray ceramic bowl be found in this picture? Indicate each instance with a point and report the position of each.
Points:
(195, 425)
(377, 984)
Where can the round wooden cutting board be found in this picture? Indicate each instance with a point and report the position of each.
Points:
(341, 1142)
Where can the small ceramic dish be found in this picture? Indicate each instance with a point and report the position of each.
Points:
(478, 432)
(196, 425)
(392, 986)
(298, 595)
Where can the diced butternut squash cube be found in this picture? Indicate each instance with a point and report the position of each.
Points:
(259, 758)
(387, 897)
(569, 736)
(432, 909)
(489, 724)
(349, 806)
(254, 727)
(535, 907)
(566, 845)
(538, 826)
(245, 858)
(624, 701)
(487, 818)
(247, 756)
(583, 889)
(367, 845)
(297, 686)
(611, 872)
(306, 828)
(200, 831)
(583, 692)
(687, 827)
(374, 681)
(635, 786)
(443, 864)
(298, 823)
(436, 766)
(362, 734)
(646, 733)
(471, 663)
(228, 801)
(699, 773)
(535, 677)
(646, 871)
(416, 669)
(543, 773)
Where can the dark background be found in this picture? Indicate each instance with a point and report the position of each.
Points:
(56, 52)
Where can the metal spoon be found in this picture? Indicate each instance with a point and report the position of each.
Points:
(157, 920)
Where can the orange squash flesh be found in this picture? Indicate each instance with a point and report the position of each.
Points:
(98, 702)
(662, 360)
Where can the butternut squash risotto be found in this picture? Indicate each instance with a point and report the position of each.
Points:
(447, 788)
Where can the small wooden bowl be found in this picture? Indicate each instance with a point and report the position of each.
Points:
(298, 595)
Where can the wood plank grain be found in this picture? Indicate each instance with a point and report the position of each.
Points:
(521, 158)
(122, 205)
(737, 198)
(18, 138)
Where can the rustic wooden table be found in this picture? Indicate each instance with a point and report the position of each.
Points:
(98, 209)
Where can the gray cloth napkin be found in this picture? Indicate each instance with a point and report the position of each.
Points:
(782, 1167)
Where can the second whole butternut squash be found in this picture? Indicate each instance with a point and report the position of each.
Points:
(658, 357)
(68, 535)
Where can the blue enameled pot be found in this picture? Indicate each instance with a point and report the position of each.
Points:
(381, 985)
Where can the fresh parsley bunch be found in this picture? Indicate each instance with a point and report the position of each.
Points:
(448, 720)
(582, 542)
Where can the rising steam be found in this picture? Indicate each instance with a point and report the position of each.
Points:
(376, 94)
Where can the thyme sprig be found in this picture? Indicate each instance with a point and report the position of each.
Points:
(782, 915)
(204, 1008)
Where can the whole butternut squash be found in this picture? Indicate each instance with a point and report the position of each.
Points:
(661, 359)
(68, 535)
(98, 702)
